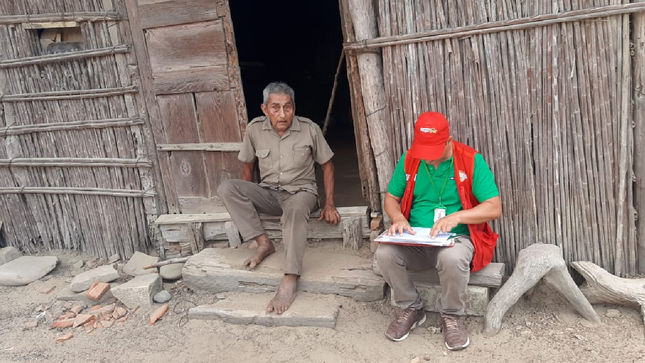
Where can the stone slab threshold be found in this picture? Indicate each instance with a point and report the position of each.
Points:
(246, 308)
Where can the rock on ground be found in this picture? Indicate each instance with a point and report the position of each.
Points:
(9, 254)
(162, 297)
(171, 272)
(134, 267)
(26, 269)
(84, 280)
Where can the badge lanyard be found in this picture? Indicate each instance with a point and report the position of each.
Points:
(440, 211)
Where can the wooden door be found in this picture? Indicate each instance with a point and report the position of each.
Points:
(193, 93)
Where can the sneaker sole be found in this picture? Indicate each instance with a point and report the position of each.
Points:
(459, 347)
(418, 323)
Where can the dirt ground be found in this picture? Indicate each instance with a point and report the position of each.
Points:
(539, 328)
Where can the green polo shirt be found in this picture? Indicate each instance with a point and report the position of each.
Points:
(426, 198)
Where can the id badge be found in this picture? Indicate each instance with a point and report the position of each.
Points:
(439, 213)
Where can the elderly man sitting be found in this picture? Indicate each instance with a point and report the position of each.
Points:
(285, 147)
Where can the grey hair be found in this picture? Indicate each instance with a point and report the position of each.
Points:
(276, 88)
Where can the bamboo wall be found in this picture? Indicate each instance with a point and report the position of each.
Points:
(75, 163)
(548, 106)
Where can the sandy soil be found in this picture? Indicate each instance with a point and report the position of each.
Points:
(539, 328)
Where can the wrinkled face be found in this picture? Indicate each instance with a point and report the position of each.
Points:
(280, 110)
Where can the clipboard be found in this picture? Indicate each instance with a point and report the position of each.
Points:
(421, 238)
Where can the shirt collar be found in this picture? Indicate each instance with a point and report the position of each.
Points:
(295, 124)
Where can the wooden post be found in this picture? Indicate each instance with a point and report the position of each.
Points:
(370, 66)
(638, 81)
(234, 240)
(352, 233)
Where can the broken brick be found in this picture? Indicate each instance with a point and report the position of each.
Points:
(95, 307)
(97, 290)
(62, 324)
(158, 314)
(67, 315)
(82, 319)
(65, 337)
(107, 324)
(123, 319)
(47, 290)
(120, 312)
(77, 309)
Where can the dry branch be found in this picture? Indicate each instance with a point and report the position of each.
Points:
(68, 95)
(166, 262)
(68, 126)
(61, 17)
(77, 162)
(44, 59)
(78, 191)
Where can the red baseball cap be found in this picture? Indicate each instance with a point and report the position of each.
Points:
(431, 132)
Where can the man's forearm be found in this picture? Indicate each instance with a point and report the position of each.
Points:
(485, 212)
(247, 171)
(393, 207)
(328, 180)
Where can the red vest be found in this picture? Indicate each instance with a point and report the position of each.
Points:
(483, 237)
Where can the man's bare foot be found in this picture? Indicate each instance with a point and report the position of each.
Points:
(285, 295)
(253, 245)
(264, 249)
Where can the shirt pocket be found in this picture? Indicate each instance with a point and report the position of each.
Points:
(264, 161)
(301, 155)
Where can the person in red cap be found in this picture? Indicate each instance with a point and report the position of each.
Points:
(445, 185)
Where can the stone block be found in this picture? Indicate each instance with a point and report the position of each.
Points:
(135, 265)
(8, 254)
(138, 291)
(247, 308)
(26, 269)
(430, 293)
(216, 270)
(84, 280)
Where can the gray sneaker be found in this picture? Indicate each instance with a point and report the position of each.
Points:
(409, 319)
(454, 332)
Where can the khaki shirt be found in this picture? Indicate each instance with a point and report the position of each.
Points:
(287, 162)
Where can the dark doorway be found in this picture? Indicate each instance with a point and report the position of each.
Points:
(300, 42)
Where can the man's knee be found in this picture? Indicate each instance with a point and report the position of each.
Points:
(228, 188)
(453, 260)
(387, 255)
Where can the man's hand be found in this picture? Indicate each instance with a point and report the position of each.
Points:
(329, 214)
(445, 224)
(399, 225)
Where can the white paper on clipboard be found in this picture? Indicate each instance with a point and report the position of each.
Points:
(421, 238)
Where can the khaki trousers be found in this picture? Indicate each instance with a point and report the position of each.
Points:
(245, 200)
(452, 263)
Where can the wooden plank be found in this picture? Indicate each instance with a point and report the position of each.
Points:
(50, 25)
(218, 117)
(157, 13)
(186, 46)
(189, 174)
(150, 102)
(179, 119)
(348, 212)
(203, 79)
(223, 10)
(352, 233)
(207, 146)
(233, 235)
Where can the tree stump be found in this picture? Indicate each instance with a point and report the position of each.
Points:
(534, 263)
(601, 287)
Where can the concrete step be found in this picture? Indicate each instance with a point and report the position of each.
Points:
(246, 308)
(476, 303)
(216, 270)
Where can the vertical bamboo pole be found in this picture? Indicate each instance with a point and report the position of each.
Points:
(370, 67)
(639, 132)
